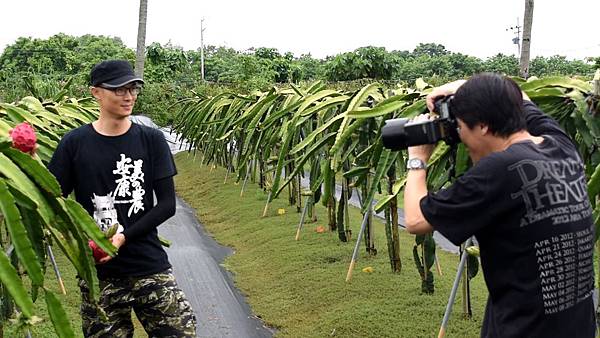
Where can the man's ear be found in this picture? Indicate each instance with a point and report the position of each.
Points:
(95, 92)
(484, 129)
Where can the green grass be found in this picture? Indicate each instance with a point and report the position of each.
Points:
(299, 287)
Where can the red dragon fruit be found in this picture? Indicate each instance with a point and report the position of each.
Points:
(23, 138)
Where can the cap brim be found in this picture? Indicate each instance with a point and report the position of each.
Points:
(120, 82)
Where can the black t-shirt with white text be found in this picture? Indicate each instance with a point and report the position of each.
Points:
(529, 210)
(113, 179)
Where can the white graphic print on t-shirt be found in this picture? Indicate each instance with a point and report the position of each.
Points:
(552, 189)
(556, 192)
(130, 187)
(105, 213)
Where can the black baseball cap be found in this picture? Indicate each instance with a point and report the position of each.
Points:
(113, 74)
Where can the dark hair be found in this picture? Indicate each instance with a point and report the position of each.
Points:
(491, 99)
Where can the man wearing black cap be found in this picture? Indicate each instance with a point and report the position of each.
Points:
(114, 166)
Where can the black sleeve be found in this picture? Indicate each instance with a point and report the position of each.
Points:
(163, 210)
(162, 159)
(454, 212)
(539, 123)
(61, 166)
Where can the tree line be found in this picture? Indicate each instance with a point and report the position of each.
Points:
(171, 71)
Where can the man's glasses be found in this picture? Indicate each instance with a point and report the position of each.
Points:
(122, 91)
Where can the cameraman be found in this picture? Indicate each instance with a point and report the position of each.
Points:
(525, 200)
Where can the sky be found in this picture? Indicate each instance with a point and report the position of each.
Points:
(478, 28)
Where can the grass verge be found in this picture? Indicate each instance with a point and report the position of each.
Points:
(299, 287)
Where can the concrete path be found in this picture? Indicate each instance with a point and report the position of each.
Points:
(221, 310)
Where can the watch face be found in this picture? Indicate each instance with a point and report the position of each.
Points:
(415, 163)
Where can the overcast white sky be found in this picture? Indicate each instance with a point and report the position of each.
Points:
(325, 27)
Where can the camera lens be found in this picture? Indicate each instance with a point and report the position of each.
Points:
(393, 134)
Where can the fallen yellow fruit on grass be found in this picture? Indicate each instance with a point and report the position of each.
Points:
(368, 269)
(280, 211)
(320, 229)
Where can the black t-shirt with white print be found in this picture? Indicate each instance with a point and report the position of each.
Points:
(113, 179)
(529, 210)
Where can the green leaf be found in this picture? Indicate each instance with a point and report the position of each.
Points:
(34, 169)
(10, 279)
(20, 198)
(414, 109)
(19, 237)
(18, 115)
(59, 317)
(594, 184)
(36, 235)
(299, 165)
(356, 171)
(385, 107)
(385, 161)
(309, 139)
(556, 81)
(26, 186)
(398, 185)
(328, 182)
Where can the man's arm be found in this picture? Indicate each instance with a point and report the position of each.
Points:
(163, 210)
(414, 191)
(416, 188)
(538, 122)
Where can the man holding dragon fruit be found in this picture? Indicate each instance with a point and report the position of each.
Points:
(114, 166)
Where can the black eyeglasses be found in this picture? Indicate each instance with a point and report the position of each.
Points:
(122, 91)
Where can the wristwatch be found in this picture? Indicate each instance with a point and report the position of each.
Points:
(415, 164)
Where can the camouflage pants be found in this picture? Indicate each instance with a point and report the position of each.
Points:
(158, 303)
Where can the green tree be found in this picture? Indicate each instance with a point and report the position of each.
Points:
(365, 62)
(307, 68)
(430, 49)
(504, 64)
(166, 63)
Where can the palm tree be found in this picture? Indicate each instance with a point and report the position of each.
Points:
(140, 54)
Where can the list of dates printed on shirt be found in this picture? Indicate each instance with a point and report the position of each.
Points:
(565, 265)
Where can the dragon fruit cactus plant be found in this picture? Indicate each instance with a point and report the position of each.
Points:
(23, 138)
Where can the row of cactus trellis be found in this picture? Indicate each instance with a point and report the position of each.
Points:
(334, 137)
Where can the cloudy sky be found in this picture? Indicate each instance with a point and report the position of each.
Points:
(322, 28)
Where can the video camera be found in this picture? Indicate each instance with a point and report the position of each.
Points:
(401, 133)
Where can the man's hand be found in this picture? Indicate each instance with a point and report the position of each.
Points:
(422, 152)
(445, 90)
(117, 240)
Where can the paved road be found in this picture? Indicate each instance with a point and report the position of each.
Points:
(220, 309)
